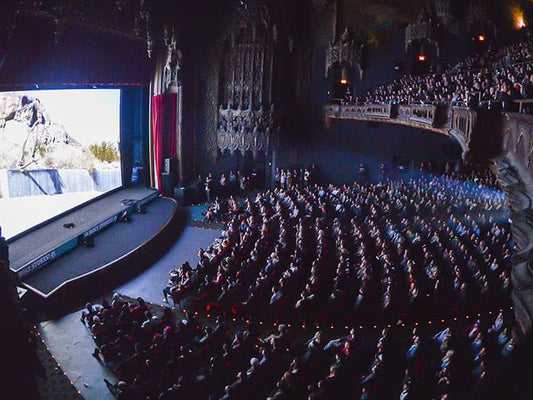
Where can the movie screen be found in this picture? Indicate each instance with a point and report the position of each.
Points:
(58, 149)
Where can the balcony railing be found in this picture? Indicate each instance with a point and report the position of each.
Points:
(419, 113)
(358, 111)
(455, 121)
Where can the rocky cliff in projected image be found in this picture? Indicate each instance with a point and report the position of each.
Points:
(41, 155)
(21, 136)
(58, 149)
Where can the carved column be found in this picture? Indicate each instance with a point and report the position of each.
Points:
(507, 139)
(515, 174)
(167, 81)
(511, 178)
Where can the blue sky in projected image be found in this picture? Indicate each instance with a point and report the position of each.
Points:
(89, 115)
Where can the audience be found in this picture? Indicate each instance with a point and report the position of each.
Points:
(397, 253)
(491, 78)
(226, 203)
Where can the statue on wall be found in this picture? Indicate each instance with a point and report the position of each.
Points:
(172, 67)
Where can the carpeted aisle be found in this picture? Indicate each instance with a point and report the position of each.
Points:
(150, 283)
(71, 343)
(198, 212)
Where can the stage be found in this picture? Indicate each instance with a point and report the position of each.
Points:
(36, 209)
(29, 246)
(89, 240)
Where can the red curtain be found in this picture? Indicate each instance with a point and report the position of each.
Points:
(164, 131)
(171, 111)
(157, 137)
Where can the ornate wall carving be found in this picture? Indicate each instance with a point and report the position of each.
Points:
(244, 130)
(457, 122)
(442, 11)
(344, 51)
(514, 167)
(421, 30)
(213, 88)
(134, 17)
(246, 116)
(172, 67)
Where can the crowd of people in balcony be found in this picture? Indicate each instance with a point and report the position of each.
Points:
(489, 79)
(399, 254)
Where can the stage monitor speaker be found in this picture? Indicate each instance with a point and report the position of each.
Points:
(170, 166)
(194, 195)
(181, 196)
(167, 184)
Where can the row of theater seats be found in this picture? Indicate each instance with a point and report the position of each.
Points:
(427, 247)
(165, 358)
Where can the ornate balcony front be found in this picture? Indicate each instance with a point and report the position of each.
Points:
(456, 122)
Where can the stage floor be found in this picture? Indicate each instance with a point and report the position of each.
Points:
(19, 214)
(110, 245)
(39, 241)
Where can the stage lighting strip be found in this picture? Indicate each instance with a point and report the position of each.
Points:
(57, 363)
(361, 327)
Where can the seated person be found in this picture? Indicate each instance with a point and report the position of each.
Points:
(90, 311)
(338, 344)
(210, 214)
(281, 338)
(173, 281)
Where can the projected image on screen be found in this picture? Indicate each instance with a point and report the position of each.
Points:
(58, 149)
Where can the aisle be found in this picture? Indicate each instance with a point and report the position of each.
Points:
(70, 341)
(150, 284)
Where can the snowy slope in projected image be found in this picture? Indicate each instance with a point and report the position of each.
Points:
(58, 148)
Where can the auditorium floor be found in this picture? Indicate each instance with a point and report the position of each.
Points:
(69, 340)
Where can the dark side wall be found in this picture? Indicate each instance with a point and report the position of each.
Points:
(303, 140)
(81, 55)
(338, 153)
(202, 25)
